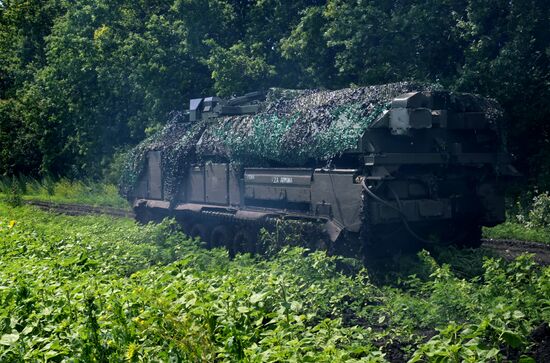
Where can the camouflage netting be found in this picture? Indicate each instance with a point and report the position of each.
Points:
(292, 128)
(177, 141)
(296, 128)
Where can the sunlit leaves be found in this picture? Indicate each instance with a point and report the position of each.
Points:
(94, 288)
(9, 339)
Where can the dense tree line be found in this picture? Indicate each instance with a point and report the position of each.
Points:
(81, 80)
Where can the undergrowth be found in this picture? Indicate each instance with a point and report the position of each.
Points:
(528, 219)
(517, 231)
(98, 289)
(61, 191)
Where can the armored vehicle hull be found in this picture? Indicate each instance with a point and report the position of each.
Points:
(408, 166)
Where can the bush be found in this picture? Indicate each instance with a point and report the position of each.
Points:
(112, 173)
(539, 215)
(528, 219)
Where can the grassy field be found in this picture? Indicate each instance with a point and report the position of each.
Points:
(98, 289)
(511, 230)
(63, 191)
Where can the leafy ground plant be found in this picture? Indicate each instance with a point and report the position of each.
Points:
(98, 289)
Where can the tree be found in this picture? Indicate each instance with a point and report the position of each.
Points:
(80, 80)
(507, 57)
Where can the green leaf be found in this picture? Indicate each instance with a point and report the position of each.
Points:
(9, 339)
(512, 339)
(492, 353)
(296, 306)
(243, 309)
(518, 314)
(257, 297)
(526, 359)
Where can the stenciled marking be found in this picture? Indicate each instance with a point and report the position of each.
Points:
(282, 180)
(249, 177)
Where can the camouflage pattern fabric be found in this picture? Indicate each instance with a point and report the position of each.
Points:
(292, 128)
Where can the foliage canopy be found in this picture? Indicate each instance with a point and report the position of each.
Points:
(80, 81)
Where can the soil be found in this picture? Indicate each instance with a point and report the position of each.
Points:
(541, 337)
(510, 249)
(80, 209)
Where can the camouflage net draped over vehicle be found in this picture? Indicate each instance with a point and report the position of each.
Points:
(300, 127)
(292, 128)
(177, 142)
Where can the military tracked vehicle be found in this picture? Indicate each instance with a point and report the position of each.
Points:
(383, 166)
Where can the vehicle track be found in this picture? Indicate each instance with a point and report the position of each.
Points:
(510, 249)
(80, 209)
(506, 248)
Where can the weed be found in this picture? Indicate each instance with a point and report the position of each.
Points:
(528, 219)
(14, 198)
(102, 289)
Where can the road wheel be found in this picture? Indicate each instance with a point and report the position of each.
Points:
(245, 240)
(199, 230)
(185, 222)
(470, 237)
(221, 236)
(143, 215)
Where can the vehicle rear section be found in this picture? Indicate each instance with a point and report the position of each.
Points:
(434, 163)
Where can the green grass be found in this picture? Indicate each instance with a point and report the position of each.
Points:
(65, 191)
(96, 289)
(511, 230)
